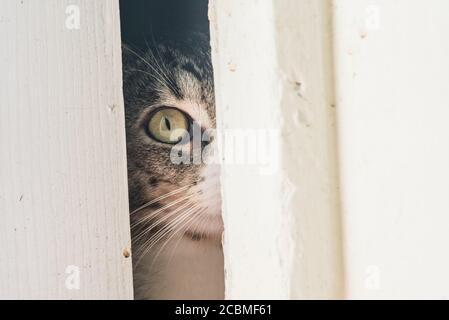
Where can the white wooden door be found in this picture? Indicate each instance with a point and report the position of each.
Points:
(382, 66)
(392, 84)
(64, 230)
(274, 82)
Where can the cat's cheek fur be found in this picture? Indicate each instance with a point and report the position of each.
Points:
(211, 194)
(208, 195)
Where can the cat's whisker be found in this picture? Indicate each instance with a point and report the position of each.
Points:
(186, 226)
(161, 66)
(176, 231)
(194, 232)
(185, 206)
(152, 76)
(168, 80)
(160, 210)
(169, 194)
(170, 227)
(147, 245)
(205, 218)
(154, 225)
(163, 70)
(167, 229)
(157, 79)
(195, 214)
(194, 221)
(143, 60)
(166, 217)
(158, 60)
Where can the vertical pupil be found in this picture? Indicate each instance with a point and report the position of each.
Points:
(167, 123)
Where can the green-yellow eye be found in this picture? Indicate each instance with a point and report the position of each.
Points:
(168, 125)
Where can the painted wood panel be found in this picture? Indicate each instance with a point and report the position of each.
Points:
(273, 76)
(392, 80)
(64, 230)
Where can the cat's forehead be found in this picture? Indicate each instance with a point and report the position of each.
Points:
(190, 89)
(174, 75)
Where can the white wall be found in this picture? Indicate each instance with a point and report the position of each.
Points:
(392, 75)
(273, 72)
(273, 63)
(63, 185)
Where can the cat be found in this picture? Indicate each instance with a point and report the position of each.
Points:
(176, 221)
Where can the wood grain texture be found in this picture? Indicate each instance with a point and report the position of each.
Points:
(63, 184)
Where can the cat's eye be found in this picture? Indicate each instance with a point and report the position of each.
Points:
(168, 125)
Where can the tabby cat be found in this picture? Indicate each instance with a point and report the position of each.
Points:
(175, 207)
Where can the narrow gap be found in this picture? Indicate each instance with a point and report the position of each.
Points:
(175, 203)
